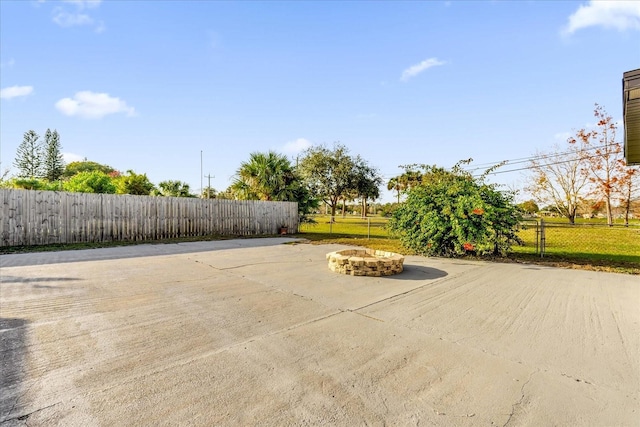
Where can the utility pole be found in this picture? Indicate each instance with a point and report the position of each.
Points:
(209, 185)
(201, 173)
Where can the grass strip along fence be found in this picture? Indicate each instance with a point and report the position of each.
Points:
(587, 244)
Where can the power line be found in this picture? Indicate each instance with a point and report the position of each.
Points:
(537, 167)
(530, 167)
(526, 160)
(537, 157)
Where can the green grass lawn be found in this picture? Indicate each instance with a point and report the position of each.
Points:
(348, 226)
(590, 245)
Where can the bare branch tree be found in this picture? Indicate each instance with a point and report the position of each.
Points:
(559, 178)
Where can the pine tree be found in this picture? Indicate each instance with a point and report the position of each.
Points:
(29, 159)
(53, 162)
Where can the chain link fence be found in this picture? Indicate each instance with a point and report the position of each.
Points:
(596, 240)
(347, 226)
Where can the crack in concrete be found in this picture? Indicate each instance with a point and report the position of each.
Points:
(578, 380)
(522, 396)
(24, 417)
(364, 315)
(473, 414)
(23, 394)
(245, 265)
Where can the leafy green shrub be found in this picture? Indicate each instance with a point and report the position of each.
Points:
(74, 168)
(32, 184)
(451, 213)
(90, 182)
(133, 183)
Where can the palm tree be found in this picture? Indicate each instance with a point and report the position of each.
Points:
(172, 188)
(265, 176)
(270, 176)
(396, 185)
(405, 182)
(411, 179)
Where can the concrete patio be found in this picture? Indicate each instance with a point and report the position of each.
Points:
(259, 332)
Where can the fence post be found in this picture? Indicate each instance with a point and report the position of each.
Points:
(543, 238)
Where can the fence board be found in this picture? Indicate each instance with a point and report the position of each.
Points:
(30, 217)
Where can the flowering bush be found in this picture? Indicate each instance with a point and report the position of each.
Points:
(451, 213)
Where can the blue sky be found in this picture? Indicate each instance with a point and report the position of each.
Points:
(148, 85)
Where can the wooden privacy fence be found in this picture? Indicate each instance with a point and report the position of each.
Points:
(31, 217)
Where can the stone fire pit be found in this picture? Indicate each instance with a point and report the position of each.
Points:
(365, 262)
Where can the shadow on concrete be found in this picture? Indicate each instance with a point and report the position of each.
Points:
(12, 363)
(30, 280)
(417, 272)
(137, 250)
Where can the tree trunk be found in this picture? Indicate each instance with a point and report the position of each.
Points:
(627, 206)
(334, 206)
(364, 207)
(572, 215)
(609, 213)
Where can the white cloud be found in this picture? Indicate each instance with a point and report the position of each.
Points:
(90, 105)
(416, 69)
(295, 147)
(71, 157)
(66, 19)
(620, 15)
(15, 91)
(81, 4)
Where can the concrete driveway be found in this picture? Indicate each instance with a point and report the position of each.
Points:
(257, 332)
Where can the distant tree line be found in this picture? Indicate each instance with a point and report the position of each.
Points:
(41, 166)
(326, 174)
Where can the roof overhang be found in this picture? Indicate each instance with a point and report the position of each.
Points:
(631, 116)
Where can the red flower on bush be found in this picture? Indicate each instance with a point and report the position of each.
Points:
(468, 247)
(478, 211)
